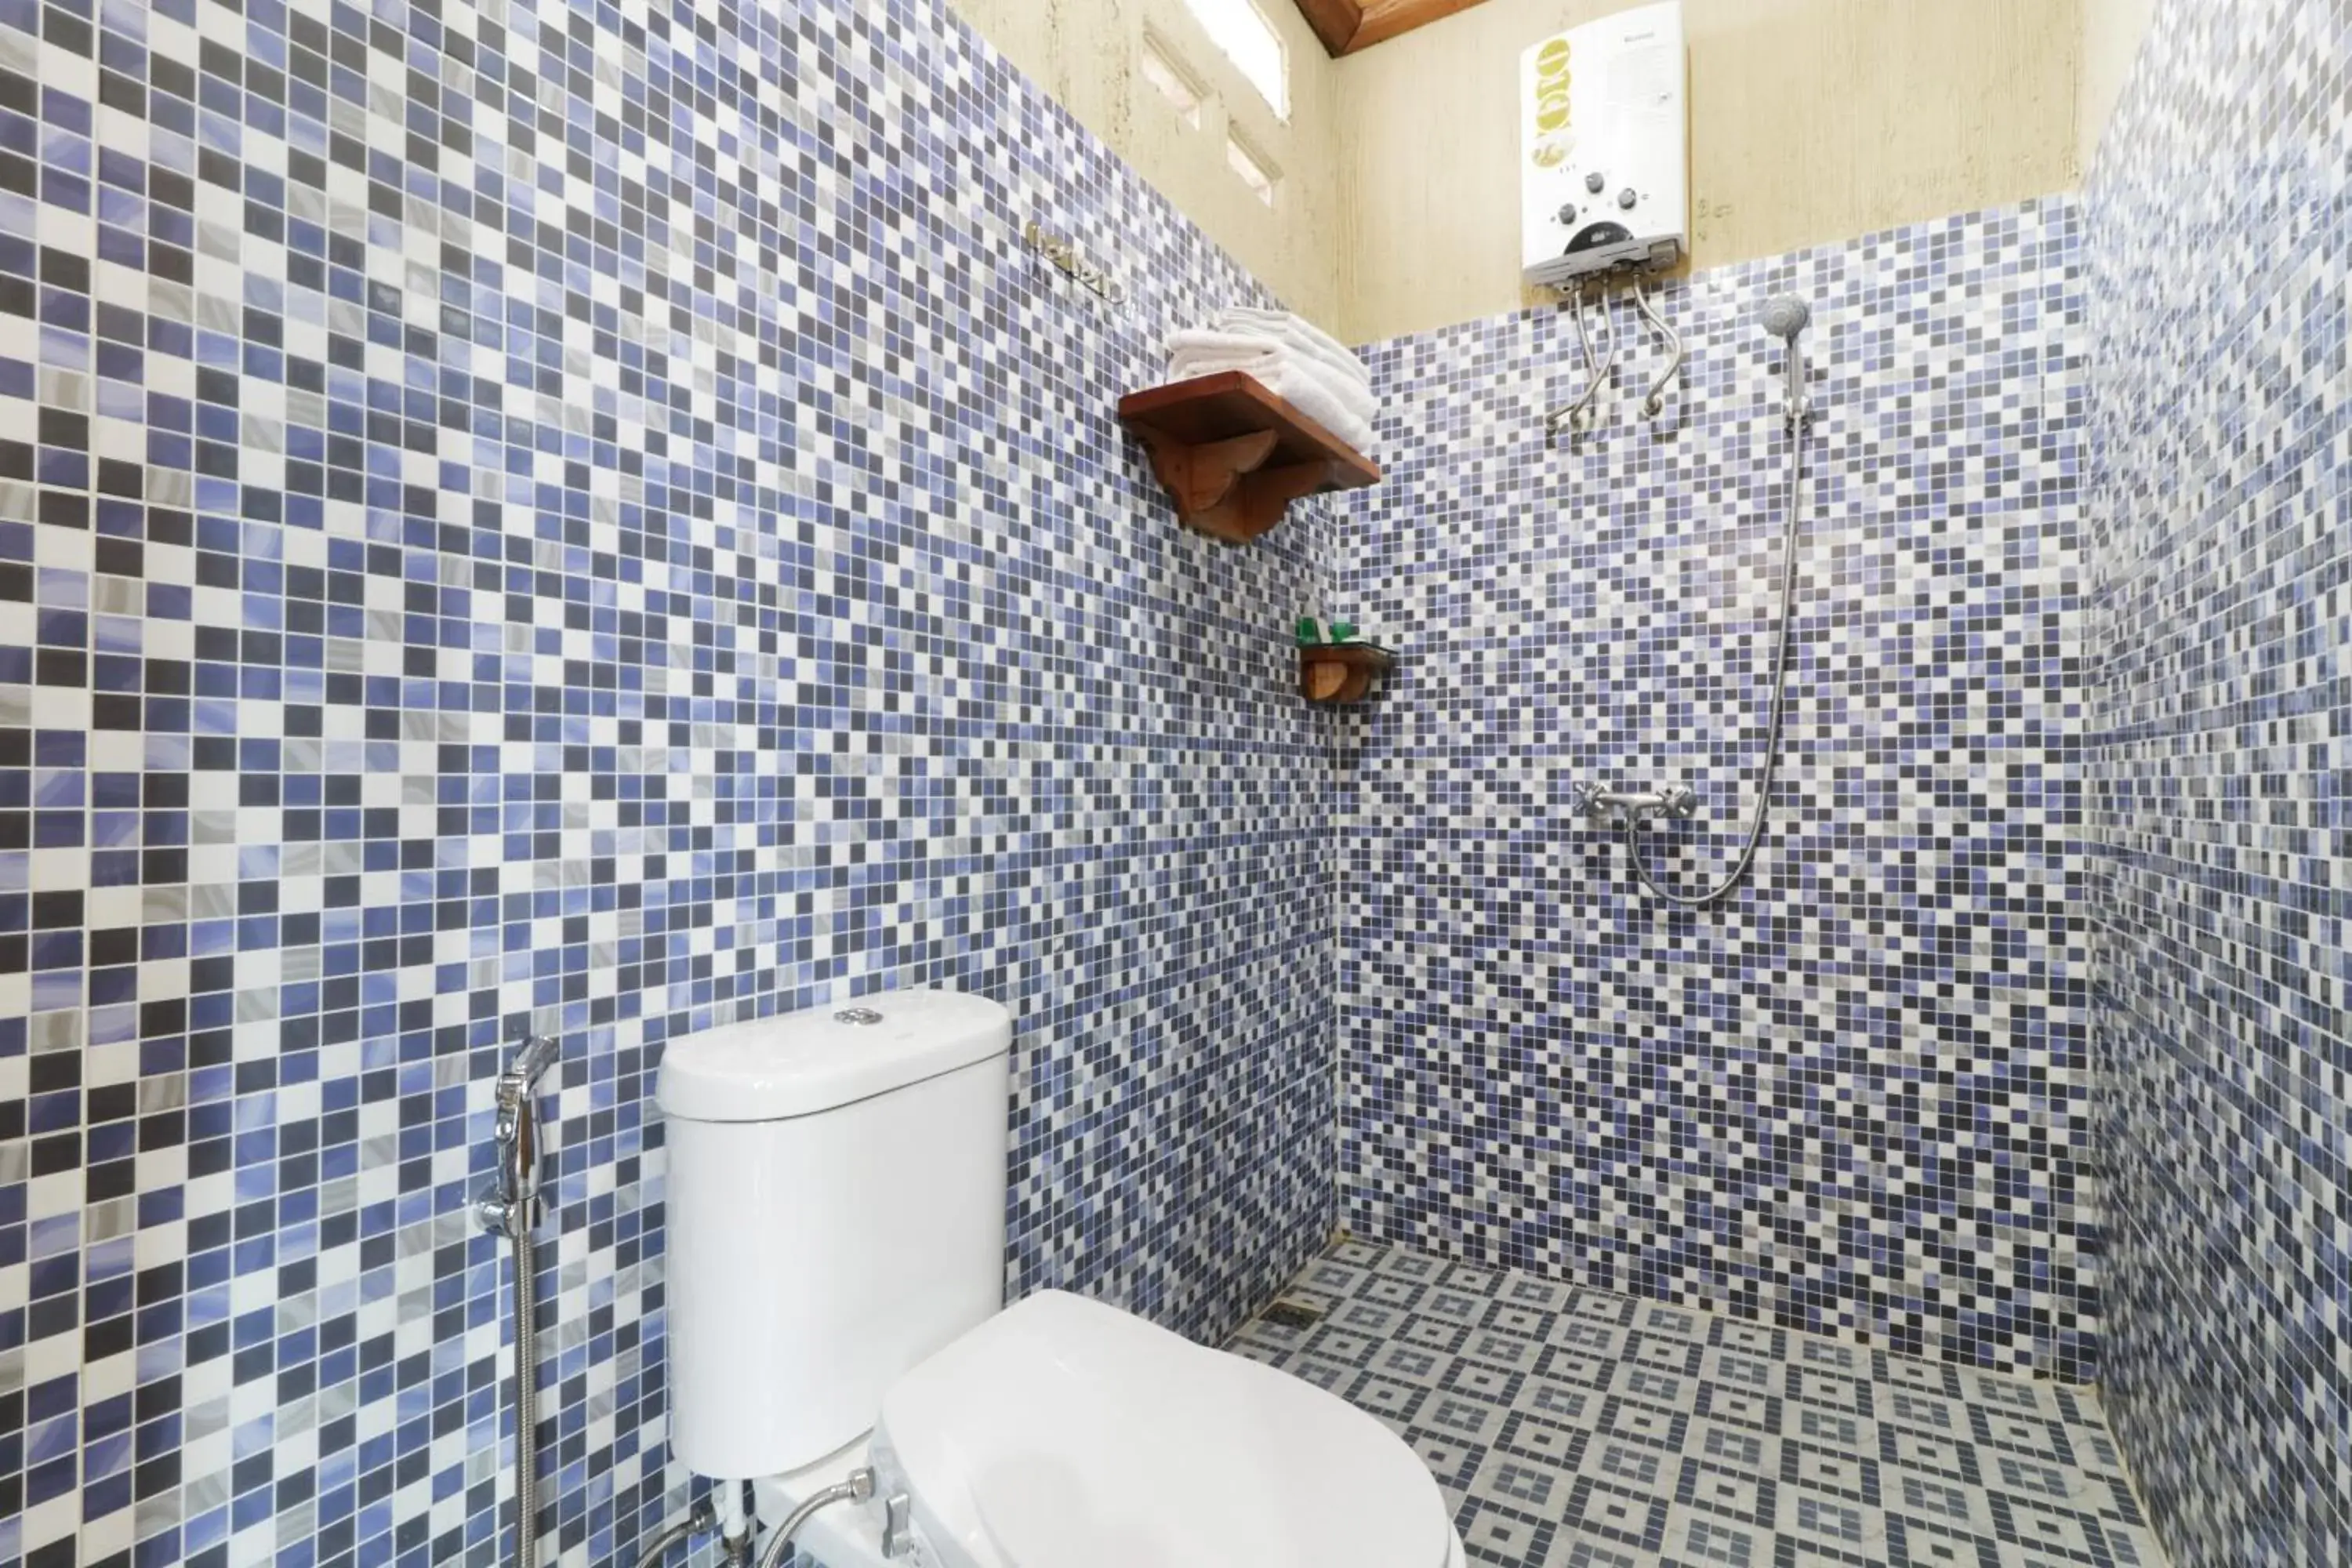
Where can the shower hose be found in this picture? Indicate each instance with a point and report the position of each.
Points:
(526, 1552)
(1779, 694)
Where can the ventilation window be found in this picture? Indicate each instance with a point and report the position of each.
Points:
(1257, 172)
(1175, 82)
(1249, 40)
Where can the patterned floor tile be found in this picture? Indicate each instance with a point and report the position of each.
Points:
(1575, 1428)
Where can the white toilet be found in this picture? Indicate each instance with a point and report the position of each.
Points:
(835, 1269)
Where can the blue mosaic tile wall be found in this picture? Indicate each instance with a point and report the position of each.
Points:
(582, 514)
(1853, 1097)
(2220, 754)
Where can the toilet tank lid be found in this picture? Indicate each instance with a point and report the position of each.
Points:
(797, 1064)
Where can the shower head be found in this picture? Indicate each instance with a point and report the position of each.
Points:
(1785, 316)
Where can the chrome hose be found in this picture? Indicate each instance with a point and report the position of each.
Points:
(1797, 418)
(700, 1519)
(856, 1489)
(509, 1208)
(1655, 403)
(1579, 412)
(526, 1552)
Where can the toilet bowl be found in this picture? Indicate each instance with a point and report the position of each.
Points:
(835, 1259)
(1066, 1434)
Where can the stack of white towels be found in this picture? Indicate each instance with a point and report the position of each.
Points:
(1295, 360)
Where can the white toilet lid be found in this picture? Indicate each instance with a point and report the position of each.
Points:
(1065, 1434)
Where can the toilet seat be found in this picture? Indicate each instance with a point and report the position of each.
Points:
(1065, 1434)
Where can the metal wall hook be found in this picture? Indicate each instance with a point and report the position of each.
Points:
(1066, 257)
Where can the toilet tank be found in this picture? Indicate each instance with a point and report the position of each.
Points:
(836, 1213)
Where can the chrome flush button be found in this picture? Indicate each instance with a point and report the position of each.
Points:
(898, 1525)
(857, 1015)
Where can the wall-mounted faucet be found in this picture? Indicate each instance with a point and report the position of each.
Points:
(1631, 805)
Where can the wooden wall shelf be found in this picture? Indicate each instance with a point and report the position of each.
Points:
(1233, 455)
(1341, 672)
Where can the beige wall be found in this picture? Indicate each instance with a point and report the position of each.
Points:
(2113, 31)
(1085, 53)
(1812, 120)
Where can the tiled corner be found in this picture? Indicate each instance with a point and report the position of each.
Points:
(2221, 773)
(1855, 1095)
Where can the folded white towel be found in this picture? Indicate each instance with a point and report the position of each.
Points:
(1299, 334)
(1296, 384)
(1196, 353)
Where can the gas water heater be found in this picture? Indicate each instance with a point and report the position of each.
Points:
(1605, 179)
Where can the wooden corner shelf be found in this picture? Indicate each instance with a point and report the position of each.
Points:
(1233, 455)
(1341, 672)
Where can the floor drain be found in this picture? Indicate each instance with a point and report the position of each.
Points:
(1291, 1315)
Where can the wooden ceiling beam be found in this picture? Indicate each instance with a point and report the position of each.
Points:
(1334, 21)
(1384, 19)
(1346, 25)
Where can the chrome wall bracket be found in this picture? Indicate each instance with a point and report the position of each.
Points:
(510, 1207)
(1071, 262)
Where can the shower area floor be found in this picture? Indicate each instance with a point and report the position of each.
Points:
(1575, 1429)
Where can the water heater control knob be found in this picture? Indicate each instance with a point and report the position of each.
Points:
(1625, 198)
(1594, 181)
(1567, 212)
